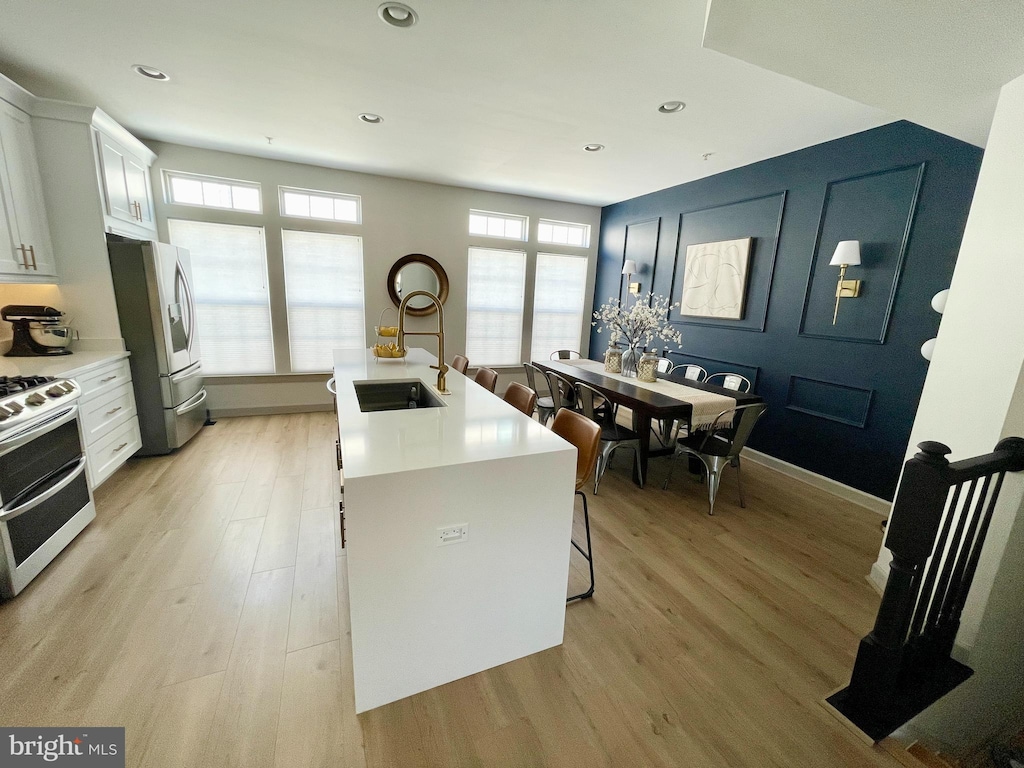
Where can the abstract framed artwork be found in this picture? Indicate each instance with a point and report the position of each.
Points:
(715, 279)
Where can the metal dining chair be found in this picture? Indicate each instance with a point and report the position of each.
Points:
(563, 391)
(664, 365)
(565, 354)
(692, 372)
(729, 381)
(720, 447)
(523, 398)
(461, 364)
(577, 429)
(545, 403)
(613, 435)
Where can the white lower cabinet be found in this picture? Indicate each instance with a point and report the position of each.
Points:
(108, 418)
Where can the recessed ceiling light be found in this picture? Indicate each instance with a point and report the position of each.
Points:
(397, 14)
(593, 147)
(151, 72)
(672, 106)
(372, 119)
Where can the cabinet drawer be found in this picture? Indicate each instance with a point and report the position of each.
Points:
(104, 379)
(101, 412)
(111, 451)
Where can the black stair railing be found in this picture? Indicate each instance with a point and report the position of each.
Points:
(936, 533)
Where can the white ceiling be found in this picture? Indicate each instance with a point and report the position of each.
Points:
(494, 94)
(939, 63)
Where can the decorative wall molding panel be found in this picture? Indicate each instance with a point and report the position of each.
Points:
(759, 218)
(641, 245)
(844, 403)
(878, 210)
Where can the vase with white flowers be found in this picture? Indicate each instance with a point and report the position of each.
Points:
(638, 325)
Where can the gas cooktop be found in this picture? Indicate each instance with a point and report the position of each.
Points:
(23, 399)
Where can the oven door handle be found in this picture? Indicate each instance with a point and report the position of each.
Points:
(18, 439)
(76, 469)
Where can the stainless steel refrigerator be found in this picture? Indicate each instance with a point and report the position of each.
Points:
(153, 286)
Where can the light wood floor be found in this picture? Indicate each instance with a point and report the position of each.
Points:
(204, 610)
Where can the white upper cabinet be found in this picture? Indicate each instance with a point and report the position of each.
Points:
(26, 252)
(126, 187)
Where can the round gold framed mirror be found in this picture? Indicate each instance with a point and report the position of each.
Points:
(417, 272)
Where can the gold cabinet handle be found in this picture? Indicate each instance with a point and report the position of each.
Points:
(32, 253)
(24, 255)
(122, 445)
(114, 410)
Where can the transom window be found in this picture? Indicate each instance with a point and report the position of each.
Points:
(327, 206)
(504, 225)
(563, 233)
(212, 192)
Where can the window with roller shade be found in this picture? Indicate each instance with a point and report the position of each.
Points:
(324, 287)
(559, 297)
(229, 273)
(495, 293)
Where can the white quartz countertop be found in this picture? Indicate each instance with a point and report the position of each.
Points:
(475, 425)
(61, 366)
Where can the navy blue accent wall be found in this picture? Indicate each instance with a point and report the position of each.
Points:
(841, 398)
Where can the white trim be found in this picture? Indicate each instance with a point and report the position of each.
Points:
(15, 95)
(878, 506)
(878, 577)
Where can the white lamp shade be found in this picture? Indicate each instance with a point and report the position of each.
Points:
(939, 301)
(928, 349)
(629, 267)
(847, 252)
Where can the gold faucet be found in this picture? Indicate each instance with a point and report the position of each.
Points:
(441, 368)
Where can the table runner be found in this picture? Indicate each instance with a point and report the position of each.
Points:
(706, 405)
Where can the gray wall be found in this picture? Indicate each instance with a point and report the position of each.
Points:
(399, 217)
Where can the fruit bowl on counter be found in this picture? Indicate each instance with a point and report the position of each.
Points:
(388, 351)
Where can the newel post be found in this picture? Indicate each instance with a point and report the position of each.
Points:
(911, 535)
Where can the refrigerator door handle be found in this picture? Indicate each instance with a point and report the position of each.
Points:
(196, 369)
(192, 404)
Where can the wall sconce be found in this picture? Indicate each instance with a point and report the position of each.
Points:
(939, 305)
(629, 269)
(847, 255)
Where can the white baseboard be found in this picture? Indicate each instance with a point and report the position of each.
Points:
(878, 576)
(878, 506)
(269, 410)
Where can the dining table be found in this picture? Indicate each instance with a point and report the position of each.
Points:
(646, 403)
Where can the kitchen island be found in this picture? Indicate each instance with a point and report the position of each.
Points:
(458, 522)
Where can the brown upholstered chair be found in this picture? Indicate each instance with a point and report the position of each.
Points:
(585, 434)
(486, 378)
(461, 364)
(523, 398)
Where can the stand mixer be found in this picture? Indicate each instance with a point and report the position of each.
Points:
(38, 331)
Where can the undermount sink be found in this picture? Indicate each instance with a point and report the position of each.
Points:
(395, 395)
